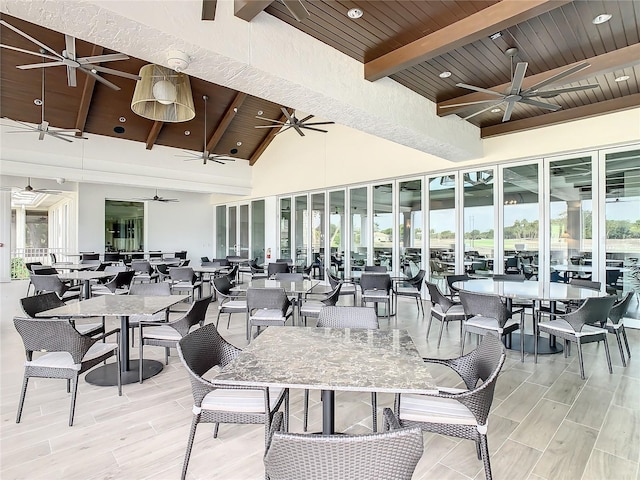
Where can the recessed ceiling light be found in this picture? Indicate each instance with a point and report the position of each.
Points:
(38, 102)
(495, 36)
(355, 13)
(445, 75)
(602, 18)
(122, 119)
(93, 70)
(622, 78)
(495, 110)
(260, 112)
(187, 132)
(235, 109)
(238, 143)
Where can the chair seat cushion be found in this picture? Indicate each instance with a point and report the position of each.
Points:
(239, 400)
(347, 288)
(377, 294)
(454, 311)
(311, 308)
(564, 326)
(423, 408)
(88, 328)
(234, 306)
(268, 314)
(185, 284)
(488, 323)
(407, 291)
(162, 332)
(156, 317)
(64, 359)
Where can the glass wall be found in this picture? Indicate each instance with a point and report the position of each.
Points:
(124, 226)
(479, 248)
(243, 250)
(336, 231)
(622, 221)
(383, 225)
(257, 230)
(521, 210)
(285, 229)
(233, 238)
(442, 226)
(570, 218)
(410, 226)
(301, 229)
(317, 233)
(221, 231)
(359, 223)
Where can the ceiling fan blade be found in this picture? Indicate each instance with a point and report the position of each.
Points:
(290, 119)
(536, 103)
(70, 46)
(23, 131)
(111, 71)
(478, 89)
(314, 129)
(109, 57)
(518, 78)
(215, 156)
(40, 65)
(58, 136)
(298, 129)
(23, 124)
(508, 111)
(30, 38)
(555, 78)
(99, 78)
(297, 9)
(494, 104)
(317, 123)
(285, 129)
(457, 105)
(269, 126)
(308, 117)
(41, 135)
(553, 93)
(37, 54)
(72, 80)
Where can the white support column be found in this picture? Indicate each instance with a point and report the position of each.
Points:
(21, 227)
(5, 236)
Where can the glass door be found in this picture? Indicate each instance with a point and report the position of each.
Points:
(359, 225)
(285, 230)
(442, 227)
(243, 233)
(221, 231)
(383, 225)
(301, 224)
(317, 234)
(410, 226)
(478, 221)
(233, 234)
(337, 220)
(257, 230)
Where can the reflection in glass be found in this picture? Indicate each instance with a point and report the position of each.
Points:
(124, 226)
(233, 222)
(221, 231)
(359, 229)
(336, 231)
(302, 231)
(478, 222)
(244, 231)
(257, 230)
(442, 227)
(285, 229)
(383, 225)
(317, 231)
(410, 226)
(570, 217)
(521, 225)
(622, 222)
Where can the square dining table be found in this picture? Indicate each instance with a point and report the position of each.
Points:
(121, 306)
(85, 276)
(330, 359)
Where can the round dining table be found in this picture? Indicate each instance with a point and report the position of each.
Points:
(536, 292)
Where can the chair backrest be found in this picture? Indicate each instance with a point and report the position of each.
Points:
(52, 336)
(284, 260)
(485, 305)
(48, 283)
(333, 280)
(451, 279)
(204, 260)
(29, 265)
(272, 298)
(223, 262)
(182, 274)
(141, 266)
(593, 310)
(619, 309)
(416, 281)
(222, 285)
(111, 257)
(155, 254)
(43, 270)
(375, 281)
(182, 254)
(290, 277)
(386, 455)
(123, 279)
(509, 277)
(195, 315)
(117, 268)
(579, 282)
(160, 288)
(277, 267)
(89, 256)
(333, 296)
(438, 298)
(375, 268)
(40, 303)
(53, 257)
(233, 273)
(348, 317)
(185, 263)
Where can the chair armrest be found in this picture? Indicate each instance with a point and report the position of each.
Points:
(390, 420)
(106, 334)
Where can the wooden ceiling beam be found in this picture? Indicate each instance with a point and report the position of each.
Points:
(226, 121)
(600, 64)
(153, 134)
(248, 9)
(87, 95)
(499, 16)
(562, 116)
(209, 9)
(268, 139)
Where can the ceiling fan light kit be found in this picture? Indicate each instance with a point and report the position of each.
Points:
(163, 95)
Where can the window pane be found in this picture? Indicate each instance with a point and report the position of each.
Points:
(232, 230)
(410, 226)
(622, 222)
(317, 231)
(221, 231)
(302, 231)
(571, 229)
(124, 222)
(383, 225)
(244, 231)
(478, 221)
(442, 226)
(285, 229)
(257, 230)
(521, 212)
(336, 231)
(359, 231)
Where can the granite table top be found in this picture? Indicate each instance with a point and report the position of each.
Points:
(115, 306)
(529, 289)
(289, 286)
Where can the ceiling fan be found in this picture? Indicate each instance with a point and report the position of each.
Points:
(65, 134)
(68, 58)
(156, 198)
(297, 9)
(293, 122)
(515, 93)
(30, 189)
(205, 155)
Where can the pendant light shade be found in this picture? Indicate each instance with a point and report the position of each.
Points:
(163, 95)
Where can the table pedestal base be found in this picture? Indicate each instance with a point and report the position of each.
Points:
(543, 344)
(107, 375)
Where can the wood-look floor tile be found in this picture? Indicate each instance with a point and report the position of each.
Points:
(441, 472)
(603, 465)
(565, 389)
(620, 433)
(541, 424)
(514, 457)
(521, 401)
(568, 452)
(591, 406)
(628, 393)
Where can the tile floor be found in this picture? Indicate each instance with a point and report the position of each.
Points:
(546, 422)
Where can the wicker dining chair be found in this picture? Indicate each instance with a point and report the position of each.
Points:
(311, 308)
(185, 279)
(148, 289)
(66, 354)
(228, 302)
(267, 307)
(461, 413)
(392, 454)
(51, 283)
(376, 289)
(615, 324)
(443, 309)
(348, 288)
(204, 351)
(411, 287)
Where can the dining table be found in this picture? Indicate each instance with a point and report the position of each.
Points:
(122, 306)
(330, 359)
(536, 292)
(85, 276)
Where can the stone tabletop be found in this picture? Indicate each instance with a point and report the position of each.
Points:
(529, 289)
(331, 359)
(85, 275)
(115, 306)
(289, 286)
